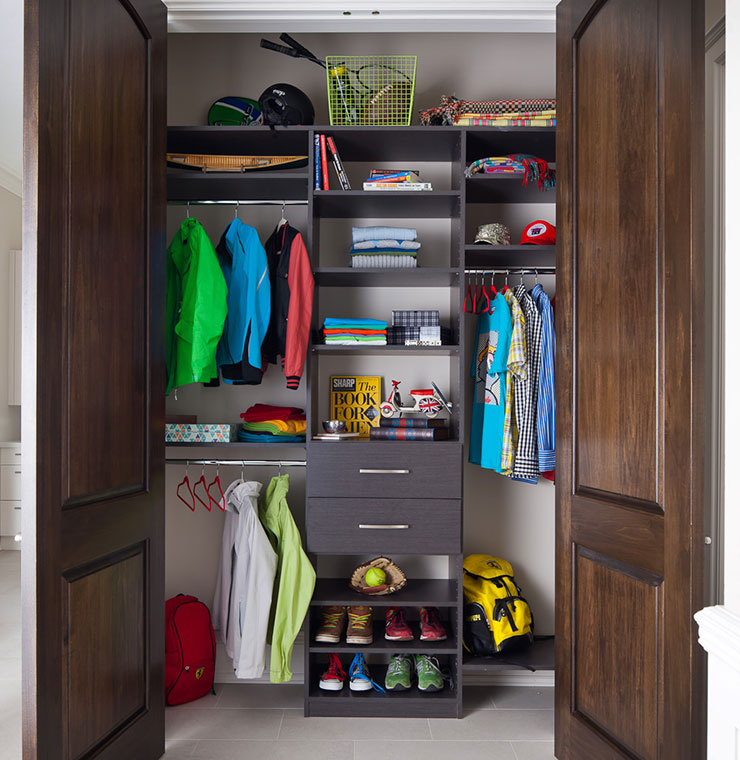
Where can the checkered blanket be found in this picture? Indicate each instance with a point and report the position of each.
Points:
(451, 108)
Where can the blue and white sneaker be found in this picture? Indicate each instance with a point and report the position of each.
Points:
(359, 676)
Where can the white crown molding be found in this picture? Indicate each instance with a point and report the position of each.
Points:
(262, 17)
(10, 180)
(719, 634)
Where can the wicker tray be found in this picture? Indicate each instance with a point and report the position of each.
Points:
(211, 163)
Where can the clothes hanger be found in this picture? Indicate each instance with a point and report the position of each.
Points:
(494, 293)
(221, 502)
(186, 482)
(202, 482)
(465, 300)
(187, 211)
(283, 220)
(236, 210)
(483, 294)
(506, 282)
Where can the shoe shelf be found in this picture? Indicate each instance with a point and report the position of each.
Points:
(416, 593)
(539, 656)
(382, 645)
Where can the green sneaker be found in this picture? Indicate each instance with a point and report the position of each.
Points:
(428, 673)
(398, 675)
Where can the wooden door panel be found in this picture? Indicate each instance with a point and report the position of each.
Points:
(617, 312)
(104, 649)
(107, 324)
(629, 374)
(93, 403)
(618, 613)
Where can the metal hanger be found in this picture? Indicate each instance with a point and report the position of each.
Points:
(236, 210)
(187, 211)
(283, 220)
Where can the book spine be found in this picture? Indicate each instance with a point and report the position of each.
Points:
(324, 167)
(338, 165)
(402, 186)
(407, 422)
(408, 434)
(390, 177)
(316, 162)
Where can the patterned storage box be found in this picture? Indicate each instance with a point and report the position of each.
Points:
(180, 433)
(399, 335)
(408, 318)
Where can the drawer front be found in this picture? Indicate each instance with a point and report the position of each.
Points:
(384, 526)
(10, 482)
(382, 469)
(10, 455)
(10, 518)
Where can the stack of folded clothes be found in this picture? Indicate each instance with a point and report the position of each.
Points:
(383, 248)
(264, 423)
(531, 168)
(351, 332)
(525, 112)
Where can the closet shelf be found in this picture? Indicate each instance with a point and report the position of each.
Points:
(505, 189)
(257, 141)
(418, 592)
(377, 673)
(539, 656)
(320, 348)
(509, 256)
(385, 278)
(183, 185)
(361, 204)
(238, 445)
(381, 645)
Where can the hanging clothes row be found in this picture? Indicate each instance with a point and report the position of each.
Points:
(265, 580)
(513, 421)
(234, 308)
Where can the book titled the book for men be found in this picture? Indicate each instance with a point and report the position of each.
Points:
(411, 422)
(409, 434)
(356, 401)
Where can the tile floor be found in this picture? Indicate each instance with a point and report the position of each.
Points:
(262, 722)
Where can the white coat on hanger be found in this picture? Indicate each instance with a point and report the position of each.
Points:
(241, 606)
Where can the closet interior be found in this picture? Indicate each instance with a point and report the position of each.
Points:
(425, 505)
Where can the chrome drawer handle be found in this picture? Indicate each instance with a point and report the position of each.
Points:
(371, 526)
(18, 508)
(17, 472)
(383, 472)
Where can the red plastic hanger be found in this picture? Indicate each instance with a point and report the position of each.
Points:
(221, 501)
(186, 482)
(202, 482)
(483, 295)
(465, 302)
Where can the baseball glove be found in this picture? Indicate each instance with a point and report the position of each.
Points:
(395, 577)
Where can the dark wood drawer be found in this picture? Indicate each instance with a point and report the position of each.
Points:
(383, 469)
(384, 526)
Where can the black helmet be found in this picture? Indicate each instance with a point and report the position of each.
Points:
(283, 104)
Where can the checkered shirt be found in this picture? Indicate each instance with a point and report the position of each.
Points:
(516, 369)
(526, 464)
(406, 318)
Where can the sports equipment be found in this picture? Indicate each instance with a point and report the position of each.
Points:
(428, 673)
(333, 678)
(284, 104)
(395, 577)
(234, 111)
(375, 576)
(398, 675)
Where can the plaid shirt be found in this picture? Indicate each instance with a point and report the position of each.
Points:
(407, 318)
(516, 367)
(526, 465)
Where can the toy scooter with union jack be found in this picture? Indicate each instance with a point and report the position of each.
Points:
(428, 401)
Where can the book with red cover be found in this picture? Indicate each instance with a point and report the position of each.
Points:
(409, 434)
(324, 166)
(408, 422)
(338, 165)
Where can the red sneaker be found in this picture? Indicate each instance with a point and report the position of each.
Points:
(333, 678)
(431, 628)
(396, 627)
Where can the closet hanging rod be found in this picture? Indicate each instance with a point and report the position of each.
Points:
(514, 270)
(240, 203)
(240, 462)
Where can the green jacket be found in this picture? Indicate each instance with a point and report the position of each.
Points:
(294, 581)
(196, 306)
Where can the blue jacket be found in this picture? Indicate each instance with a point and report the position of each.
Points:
(248, 280)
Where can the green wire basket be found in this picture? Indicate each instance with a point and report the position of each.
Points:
(371, 90)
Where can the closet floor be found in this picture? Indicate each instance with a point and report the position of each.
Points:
(10, 655)
(254, 722)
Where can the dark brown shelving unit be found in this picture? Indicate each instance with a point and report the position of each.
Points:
(539, 656)
(418, 471)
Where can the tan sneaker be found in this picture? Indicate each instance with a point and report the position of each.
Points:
(360, 626)
(332, 624)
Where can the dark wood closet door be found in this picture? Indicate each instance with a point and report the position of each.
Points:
(93, 397)
(629, 375)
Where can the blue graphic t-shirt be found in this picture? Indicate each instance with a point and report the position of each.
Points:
(488, 370)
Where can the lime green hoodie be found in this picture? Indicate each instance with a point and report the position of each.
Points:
(196, 306)
(294, 581)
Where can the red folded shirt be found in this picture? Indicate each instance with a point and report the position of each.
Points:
(263, 412)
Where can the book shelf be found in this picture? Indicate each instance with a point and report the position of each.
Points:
(446, 218)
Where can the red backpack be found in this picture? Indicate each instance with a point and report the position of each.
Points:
(190, 650)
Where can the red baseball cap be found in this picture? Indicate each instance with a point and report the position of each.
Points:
(538, 233)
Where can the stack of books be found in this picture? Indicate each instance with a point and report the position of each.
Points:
(410, 429)
(395, 179)
(325, 150)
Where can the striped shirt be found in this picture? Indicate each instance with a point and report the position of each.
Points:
(526, 466)
(516, 367)
(546, 392)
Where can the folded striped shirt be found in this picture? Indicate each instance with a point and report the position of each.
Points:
(411, 245)
(361, 234)
(383, 261)
(379, 251)
(377, 324)
(349, 339)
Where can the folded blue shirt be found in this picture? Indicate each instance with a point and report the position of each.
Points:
(370, 324)
(360, 234)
